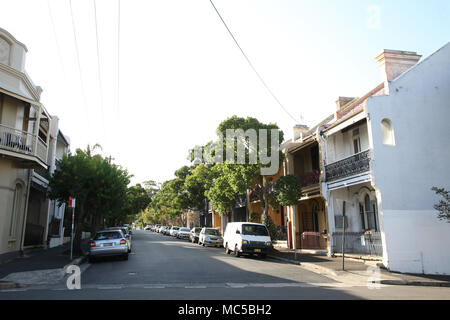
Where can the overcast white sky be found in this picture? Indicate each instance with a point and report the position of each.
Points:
(181, 74)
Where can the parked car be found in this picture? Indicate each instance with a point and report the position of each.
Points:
(107, 243)
(161, 228)
(210, 237)
(174, 231)
(183, 233)
(156, 228)
(126, 233)
(194, 233)
(166, 230)
(148, 228)
(247, 238)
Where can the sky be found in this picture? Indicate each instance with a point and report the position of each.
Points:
(169, 72)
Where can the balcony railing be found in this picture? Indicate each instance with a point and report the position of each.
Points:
(355, 164)
(22, 142)
(310, 178)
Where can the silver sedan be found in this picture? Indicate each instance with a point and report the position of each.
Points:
(108, 243)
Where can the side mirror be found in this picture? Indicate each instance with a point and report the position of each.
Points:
(238, 232)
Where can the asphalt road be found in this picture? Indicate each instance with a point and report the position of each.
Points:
(162, 267)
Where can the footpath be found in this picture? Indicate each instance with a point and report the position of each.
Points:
(42, 266)
(356, 271)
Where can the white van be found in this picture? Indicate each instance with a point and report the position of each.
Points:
(246, 238)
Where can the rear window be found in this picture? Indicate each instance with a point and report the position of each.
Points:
(213, 232)
(185, 229)
(108, 235)
(254, 230)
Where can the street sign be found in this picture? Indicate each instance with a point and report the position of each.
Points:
(72, 202)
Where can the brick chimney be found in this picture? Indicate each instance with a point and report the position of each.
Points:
(342, 101)
(394, 62)
(299, 131)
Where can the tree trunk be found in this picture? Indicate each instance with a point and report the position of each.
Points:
(78, 231)
(264, 200)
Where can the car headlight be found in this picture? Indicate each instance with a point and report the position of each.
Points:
(268, 243)
(244, 242)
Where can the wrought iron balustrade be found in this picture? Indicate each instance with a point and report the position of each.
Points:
(22, 142)
(310, 178)
(355, 164)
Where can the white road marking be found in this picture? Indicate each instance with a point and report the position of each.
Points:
(12, 290)
(110, 287)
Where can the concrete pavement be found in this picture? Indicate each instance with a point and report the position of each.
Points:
(356, 272)
(38, 267)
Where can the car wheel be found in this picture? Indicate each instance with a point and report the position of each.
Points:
(90, 259)
(237, 254)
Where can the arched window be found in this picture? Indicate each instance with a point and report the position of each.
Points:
(368, 212)
(387, 132)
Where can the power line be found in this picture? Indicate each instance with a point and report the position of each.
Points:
(98, 65)
(250, 63)
(79, 66)
(56, 39)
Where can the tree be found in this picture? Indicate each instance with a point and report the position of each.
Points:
(99, 187)
(235, 179)
(444, 205)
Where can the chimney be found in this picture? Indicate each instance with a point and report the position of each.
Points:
(342, 101)
(394, 62)
(299, 131)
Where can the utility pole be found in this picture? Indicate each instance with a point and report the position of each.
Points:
(343, 234)
(72, 205)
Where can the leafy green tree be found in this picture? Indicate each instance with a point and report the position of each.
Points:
(443, 206)
(235, 179)
(100, 188)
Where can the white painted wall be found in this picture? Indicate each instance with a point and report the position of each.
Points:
(419, 108)
(340, 145)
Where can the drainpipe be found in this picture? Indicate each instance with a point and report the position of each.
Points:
(27, 198)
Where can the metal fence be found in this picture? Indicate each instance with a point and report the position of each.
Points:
(281, 233)
(358, 242)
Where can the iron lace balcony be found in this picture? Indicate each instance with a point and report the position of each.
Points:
(22, 144)
(350, 166)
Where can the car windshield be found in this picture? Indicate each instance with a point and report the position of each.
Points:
(254, 230)
(185, 229)
(175, 228)
(107, 235)
(197, 230)
(213, 232)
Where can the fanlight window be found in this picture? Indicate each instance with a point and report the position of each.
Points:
(387, 132)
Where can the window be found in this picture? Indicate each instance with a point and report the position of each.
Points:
(356, 141)
(387, 132)
(254, 230)
(368, 214)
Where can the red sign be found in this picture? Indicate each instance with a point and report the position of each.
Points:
(71, 202)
